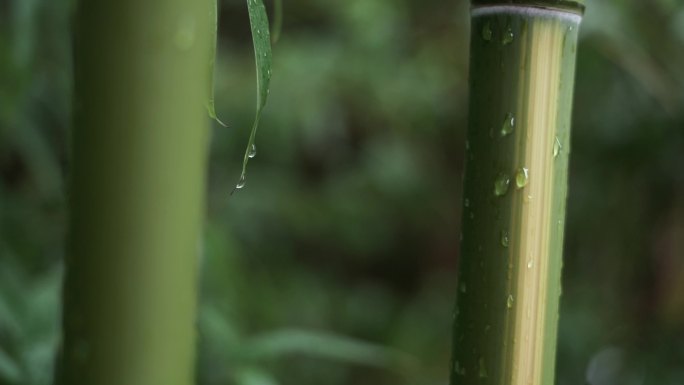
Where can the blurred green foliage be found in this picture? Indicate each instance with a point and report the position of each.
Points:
(336, 263)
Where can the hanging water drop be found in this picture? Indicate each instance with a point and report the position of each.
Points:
(521, 177)
(556, 147)
(504, 238)
(509, 301)
(483, 368)
(487, 32)
(241, 183)
(458, 369)
(507, 37)
(466, 202)
(252, 151)
(530, 263)
(501, 184)
(508, 124)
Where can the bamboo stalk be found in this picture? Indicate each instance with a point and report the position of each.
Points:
(522, 76)
(140, 145)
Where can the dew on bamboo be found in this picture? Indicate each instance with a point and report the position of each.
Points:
(556, 147)
(487, 32)
(504, 238)
(508, 124)
(482, 368)
(501, 184)
(521, 177)
(508, 36)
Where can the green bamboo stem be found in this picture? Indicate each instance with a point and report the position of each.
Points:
(140, 144)
(522, 76)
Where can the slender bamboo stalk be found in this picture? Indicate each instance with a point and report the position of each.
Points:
(522, 75)
(139, 151)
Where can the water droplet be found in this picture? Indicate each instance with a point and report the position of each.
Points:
(556, 147)
(467, 145)
(466, 202)
(508, 125)
(530, 263)
(521, 177)
(501, 184)
(487, 32)
(507, 37)
(462, 287)
(458, 369)
(509, 301)
(483, 368)
(252, 151)
(241, 183)
(504, 238)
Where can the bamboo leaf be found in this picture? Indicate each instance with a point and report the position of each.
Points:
(254, 376)
(277, 20)
(9, 370)
(331, 346)
(261, 38)
(212, 61)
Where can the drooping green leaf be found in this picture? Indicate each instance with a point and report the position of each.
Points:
(277, 20)
(9, 370)
(331, 346)
(212, 61)
(261, 38)
(253, 376)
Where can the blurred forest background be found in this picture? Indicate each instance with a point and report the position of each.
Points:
(336, 263)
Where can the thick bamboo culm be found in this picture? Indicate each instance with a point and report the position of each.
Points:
(518, 142)
(140, 143)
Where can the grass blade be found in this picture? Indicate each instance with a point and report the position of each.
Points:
(261, 38)
(277, 19)
(212, 61)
